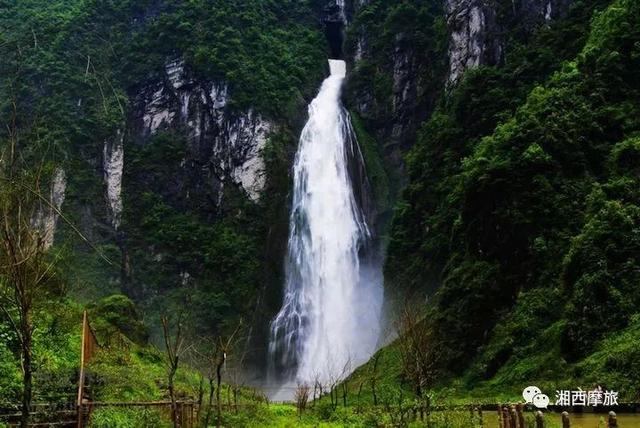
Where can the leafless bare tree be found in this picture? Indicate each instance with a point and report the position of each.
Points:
(419, 356)
(25, 275)
(208, 360)
(335, 377)
(360, 386)
(174, 348)
(373, 377)
(26, 267)
(223, 349)
(302, 397)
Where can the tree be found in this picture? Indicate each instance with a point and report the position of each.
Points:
(336, 376)
(174, 348)
(26, 270)
(216, 359)
(418, 353)
(302, 397)
(26, 274)
(373, 377)
(207, 357)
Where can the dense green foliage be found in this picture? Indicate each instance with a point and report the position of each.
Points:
(70, 67)
(56, 351)
(529, 231)
(520, 219)
(69, 72)
(393, 28)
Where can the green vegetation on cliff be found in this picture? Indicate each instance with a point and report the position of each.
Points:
(529, 231)
(519, 225)
(72, 69)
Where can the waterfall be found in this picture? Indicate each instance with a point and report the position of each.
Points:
(330, 318)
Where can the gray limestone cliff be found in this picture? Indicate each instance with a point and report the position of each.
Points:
(477, 29)
(476, 34)
(226, 143)
(113, 166)
(46, 217)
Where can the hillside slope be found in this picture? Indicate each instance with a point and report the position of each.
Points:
(526, 236)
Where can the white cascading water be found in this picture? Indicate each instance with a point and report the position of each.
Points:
(330, 319)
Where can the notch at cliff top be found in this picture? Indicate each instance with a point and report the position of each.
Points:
(338, 67)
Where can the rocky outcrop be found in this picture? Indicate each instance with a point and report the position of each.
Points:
(227, 142)
(402, 115)
(47, 216)
(405, 88)
(335, 11)
(471, 23)
(113, 166)
(477, 31)
(335, 19)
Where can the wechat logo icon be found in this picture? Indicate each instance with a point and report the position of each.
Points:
(533, 395)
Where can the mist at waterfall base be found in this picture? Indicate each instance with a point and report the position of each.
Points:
(329, 322)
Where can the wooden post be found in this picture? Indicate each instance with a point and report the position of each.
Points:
(513, 419)
(613, 420)
(500, 421)
(83, 349)
(479, 408)
(539, 419)
(89, 345)
(506, 418)
(566, 423)
(519, 408)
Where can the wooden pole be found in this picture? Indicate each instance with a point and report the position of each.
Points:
(566, 423)
(506, 418)
(539, 419)
(83, 345)
(520, 415)
(513, 417)
(613, 420)
(519, 408)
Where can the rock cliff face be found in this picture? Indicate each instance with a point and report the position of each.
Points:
(225, 144)
(477, 29)
(395, 112)
(113, 166)
(46, 217)
(476, 35)
(335, 19)
(471, 24)
(406, 84)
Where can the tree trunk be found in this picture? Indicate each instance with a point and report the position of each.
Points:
(200, 401)
(219, 380)
(209, 403)
(373, 392)
(27, 371)
(344, 393)
(359, 393)
(235, 398)
(172, 396)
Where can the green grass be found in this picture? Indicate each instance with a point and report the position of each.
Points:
(128, 418)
